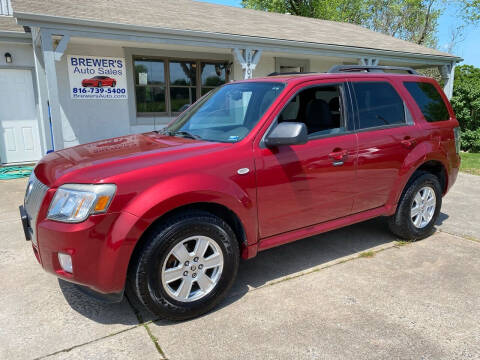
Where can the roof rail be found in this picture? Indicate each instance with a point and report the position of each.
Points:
(374, 69)
(290, 73)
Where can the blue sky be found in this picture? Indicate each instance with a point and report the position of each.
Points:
(468, 49)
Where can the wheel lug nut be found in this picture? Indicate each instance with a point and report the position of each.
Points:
(195, 259)
(200, 266)
(185, 273)
(194, 275)
(187, 263)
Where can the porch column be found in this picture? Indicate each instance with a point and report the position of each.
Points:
(50, 55)
(448, 75)
(368, 61)
(42, 94)
(248, 58)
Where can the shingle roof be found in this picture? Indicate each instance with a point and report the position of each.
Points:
(212, 18)
(8, 23)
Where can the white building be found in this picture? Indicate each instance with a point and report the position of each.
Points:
(156, 56)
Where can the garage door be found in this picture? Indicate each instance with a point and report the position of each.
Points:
(19, 137)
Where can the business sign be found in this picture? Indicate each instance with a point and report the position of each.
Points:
(93, 77)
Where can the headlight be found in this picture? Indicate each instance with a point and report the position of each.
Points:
(75, 202)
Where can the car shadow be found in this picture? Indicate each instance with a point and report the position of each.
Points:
(95, 309)
(441, 218)
(274, 264)
(268, 266)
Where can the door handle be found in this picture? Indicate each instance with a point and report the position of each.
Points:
(408, 142)
(338, 156)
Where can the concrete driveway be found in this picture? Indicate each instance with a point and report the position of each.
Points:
(353, 293)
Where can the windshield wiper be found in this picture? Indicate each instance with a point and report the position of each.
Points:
(164, 132)
(187, 135)
(181, 133)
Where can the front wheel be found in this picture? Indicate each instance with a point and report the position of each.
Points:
(418, 208)
(186, 266)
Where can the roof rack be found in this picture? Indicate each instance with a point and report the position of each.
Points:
(373, 69)
(290, 73)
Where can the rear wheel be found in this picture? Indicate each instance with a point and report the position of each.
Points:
(418, 208)
(185, 267)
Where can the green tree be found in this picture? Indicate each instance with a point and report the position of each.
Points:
(412, 20)
(352, 11)
(466, 104)
(470, 10)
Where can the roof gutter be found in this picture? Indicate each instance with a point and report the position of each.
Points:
(224, 40)
(15, 37)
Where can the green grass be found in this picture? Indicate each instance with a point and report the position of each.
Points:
(367, 254)
(470, 163)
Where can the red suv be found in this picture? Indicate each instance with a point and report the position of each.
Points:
(165, 216)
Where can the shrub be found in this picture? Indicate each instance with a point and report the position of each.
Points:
(471, 140)
(466, 104)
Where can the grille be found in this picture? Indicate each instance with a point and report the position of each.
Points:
(34, 195)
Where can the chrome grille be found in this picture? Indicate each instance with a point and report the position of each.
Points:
(34, 195)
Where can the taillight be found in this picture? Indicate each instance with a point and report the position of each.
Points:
(456, 132)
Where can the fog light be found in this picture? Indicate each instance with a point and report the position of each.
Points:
(65, 261)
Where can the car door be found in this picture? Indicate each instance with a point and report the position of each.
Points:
(302, 185)
(386, 135)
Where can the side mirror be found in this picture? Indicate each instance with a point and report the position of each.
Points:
(287, 133)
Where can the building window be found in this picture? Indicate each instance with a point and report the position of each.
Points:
(150, 86)
(5, 7)
(165, 86)
(285, 65)
(212, 75)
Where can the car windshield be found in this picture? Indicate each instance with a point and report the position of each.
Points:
(227, 113)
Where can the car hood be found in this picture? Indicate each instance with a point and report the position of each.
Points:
(92, 162)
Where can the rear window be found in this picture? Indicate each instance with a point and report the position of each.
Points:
(378, 104)
(428, 100)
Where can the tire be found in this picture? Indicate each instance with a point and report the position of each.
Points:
(99, 84)
(114, 84)
(403, 224)
(147, 275)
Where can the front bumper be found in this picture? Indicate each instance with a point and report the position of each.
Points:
(100, 248)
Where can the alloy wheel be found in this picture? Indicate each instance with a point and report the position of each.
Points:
(423, 207)
(192, 268)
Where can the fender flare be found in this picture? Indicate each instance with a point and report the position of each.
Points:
(176, 192)
(422, 154)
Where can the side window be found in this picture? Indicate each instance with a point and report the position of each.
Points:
(428, 100)
(319, 107)
(378, 104)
